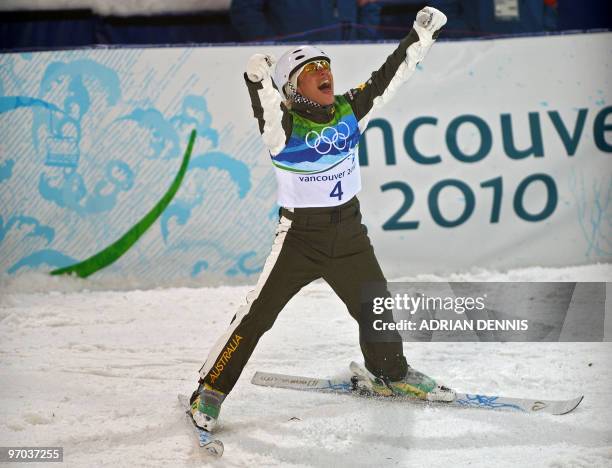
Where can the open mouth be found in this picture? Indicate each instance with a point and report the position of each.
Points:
(325, 86)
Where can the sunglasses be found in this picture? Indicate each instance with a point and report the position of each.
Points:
(316, 65)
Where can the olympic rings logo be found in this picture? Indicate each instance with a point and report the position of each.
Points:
(329, 138)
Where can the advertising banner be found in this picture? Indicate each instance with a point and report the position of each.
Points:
(495, 154)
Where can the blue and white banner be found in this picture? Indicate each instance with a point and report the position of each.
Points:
(495, 154)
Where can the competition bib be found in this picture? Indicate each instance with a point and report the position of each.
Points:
(320, 164)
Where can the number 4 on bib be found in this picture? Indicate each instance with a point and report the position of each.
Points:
(337, 191)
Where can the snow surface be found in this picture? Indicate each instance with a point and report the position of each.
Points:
(98, 372)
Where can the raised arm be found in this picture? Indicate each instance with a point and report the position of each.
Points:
(398, 67)
(274, 120)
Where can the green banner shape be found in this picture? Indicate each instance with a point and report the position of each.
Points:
(114, 251)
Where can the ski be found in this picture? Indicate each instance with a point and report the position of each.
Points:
(463, 400)
(206, 440)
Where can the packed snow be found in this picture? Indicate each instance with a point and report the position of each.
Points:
(98, 372)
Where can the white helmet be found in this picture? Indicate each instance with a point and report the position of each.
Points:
(292, 61)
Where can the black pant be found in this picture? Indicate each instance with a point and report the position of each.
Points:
(310, 243)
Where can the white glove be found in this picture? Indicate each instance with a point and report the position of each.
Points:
(428, 22)
(259, 66)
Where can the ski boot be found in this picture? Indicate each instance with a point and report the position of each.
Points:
(205, 406)
(414, 385)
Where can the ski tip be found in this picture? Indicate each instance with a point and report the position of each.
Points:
(214, 448)
(573, 405)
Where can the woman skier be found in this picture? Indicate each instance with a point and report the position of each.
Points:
(312, 136)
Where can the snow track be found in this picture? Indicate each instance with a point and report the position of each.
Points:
(97, 372)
